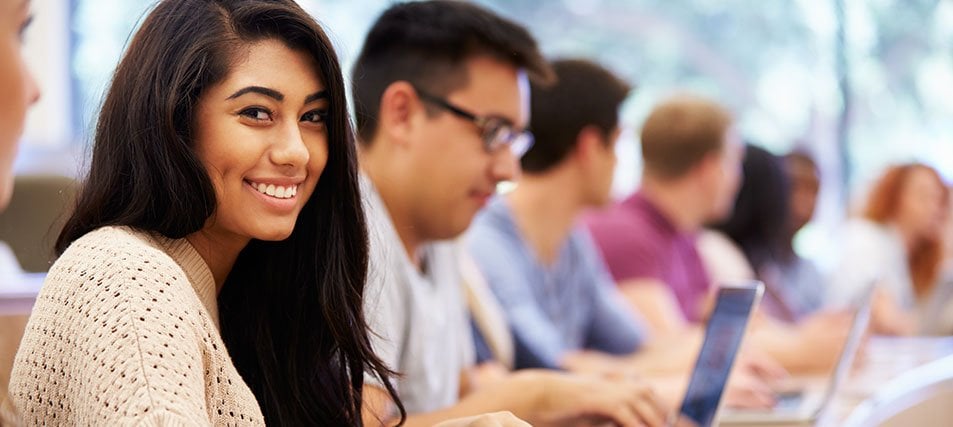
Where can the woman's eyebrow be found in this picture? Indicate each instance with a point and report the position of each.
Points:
(271, 93)
(323, 94)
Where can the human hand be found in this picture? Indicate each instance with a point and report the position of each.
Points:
(575, 399)
(495, 419)
(822, 336)
(887, 318)
(482, 375)
(747, 391)
(756, 362)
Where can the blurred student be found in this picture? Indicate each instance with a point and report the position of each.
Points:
(799, 275)
(755, 240)
(212, 271)
(562, 306)
(441, 99)
(537, 263)
(21, 91)
(895, 245)
(692, 171)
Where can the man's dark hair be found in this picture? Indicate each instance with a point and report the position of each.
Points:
(292, 310)
(427, 44)
(585, 94)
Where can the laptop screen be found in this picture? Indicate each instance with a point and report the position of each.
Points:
(723, 335)
(855, 338)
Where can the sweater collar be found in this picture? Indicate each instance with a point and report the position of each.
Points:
(200, 276)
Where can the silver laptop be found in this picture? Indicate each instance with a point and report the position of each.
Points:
(734, 305)
(804, 406)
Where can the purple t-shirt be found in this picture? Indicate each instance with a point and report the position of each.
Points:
(638, 242)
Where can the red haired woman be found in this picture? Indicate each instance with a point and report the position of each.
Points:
(896, 245)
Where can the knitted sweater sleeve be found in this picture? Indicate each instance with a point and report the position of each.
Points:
(114, 339)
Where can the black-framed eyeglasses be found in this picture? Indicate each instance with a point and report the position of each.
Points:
(496, 132)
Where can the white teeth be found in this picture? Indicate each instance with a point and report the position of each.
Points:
(278, 192)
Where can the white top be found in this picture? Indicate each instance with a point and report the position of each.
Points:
(418, 320)
(723, 259)
(871, 253)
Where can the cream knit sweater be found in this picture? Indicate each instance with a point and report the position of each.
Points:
(124, 332)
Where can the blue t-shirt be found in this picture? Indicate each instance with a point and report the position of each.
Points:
(552, 310)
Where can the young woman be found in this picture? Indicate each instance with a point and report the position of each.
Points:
(213, 270)
(896, 246)
(755, 241)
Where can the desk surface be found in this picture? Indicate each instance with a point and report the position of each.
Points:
(890, 376)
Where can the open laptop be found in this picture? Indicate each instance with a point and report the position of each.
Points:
(802, 406)
(734, 305)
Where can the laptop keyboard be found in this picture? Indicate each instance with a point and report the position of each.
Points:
(789, 400)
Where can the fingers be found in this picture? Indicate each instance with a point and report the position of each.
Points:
(748, 392)
(649, 413)
(622, 402)
(497, 419)
(639, 406)
(763, 366)
(625, 415)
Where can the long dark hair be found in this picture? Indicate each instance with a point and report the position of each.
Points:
(761, 211)
(291, 311)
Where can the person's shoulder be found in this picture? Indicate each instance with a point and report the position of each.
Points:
(384, 244)
(489, 238)
(722, 257)
(709, 240)
(122, 246)
(862, 233)
(116, 304)
(581, 241)
(495, 218)
(116, 260)
(623, 217)
(584, 254)
(620, 229)
(862, 225)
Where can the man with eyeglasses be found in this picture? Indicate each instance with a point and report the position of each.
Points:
(441, 98)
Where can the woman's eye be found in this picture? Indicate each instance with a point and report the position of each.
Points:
(256, 113)
(315, 116)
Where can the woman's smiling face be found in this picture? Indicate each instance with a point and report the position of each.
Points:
(262, 137)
